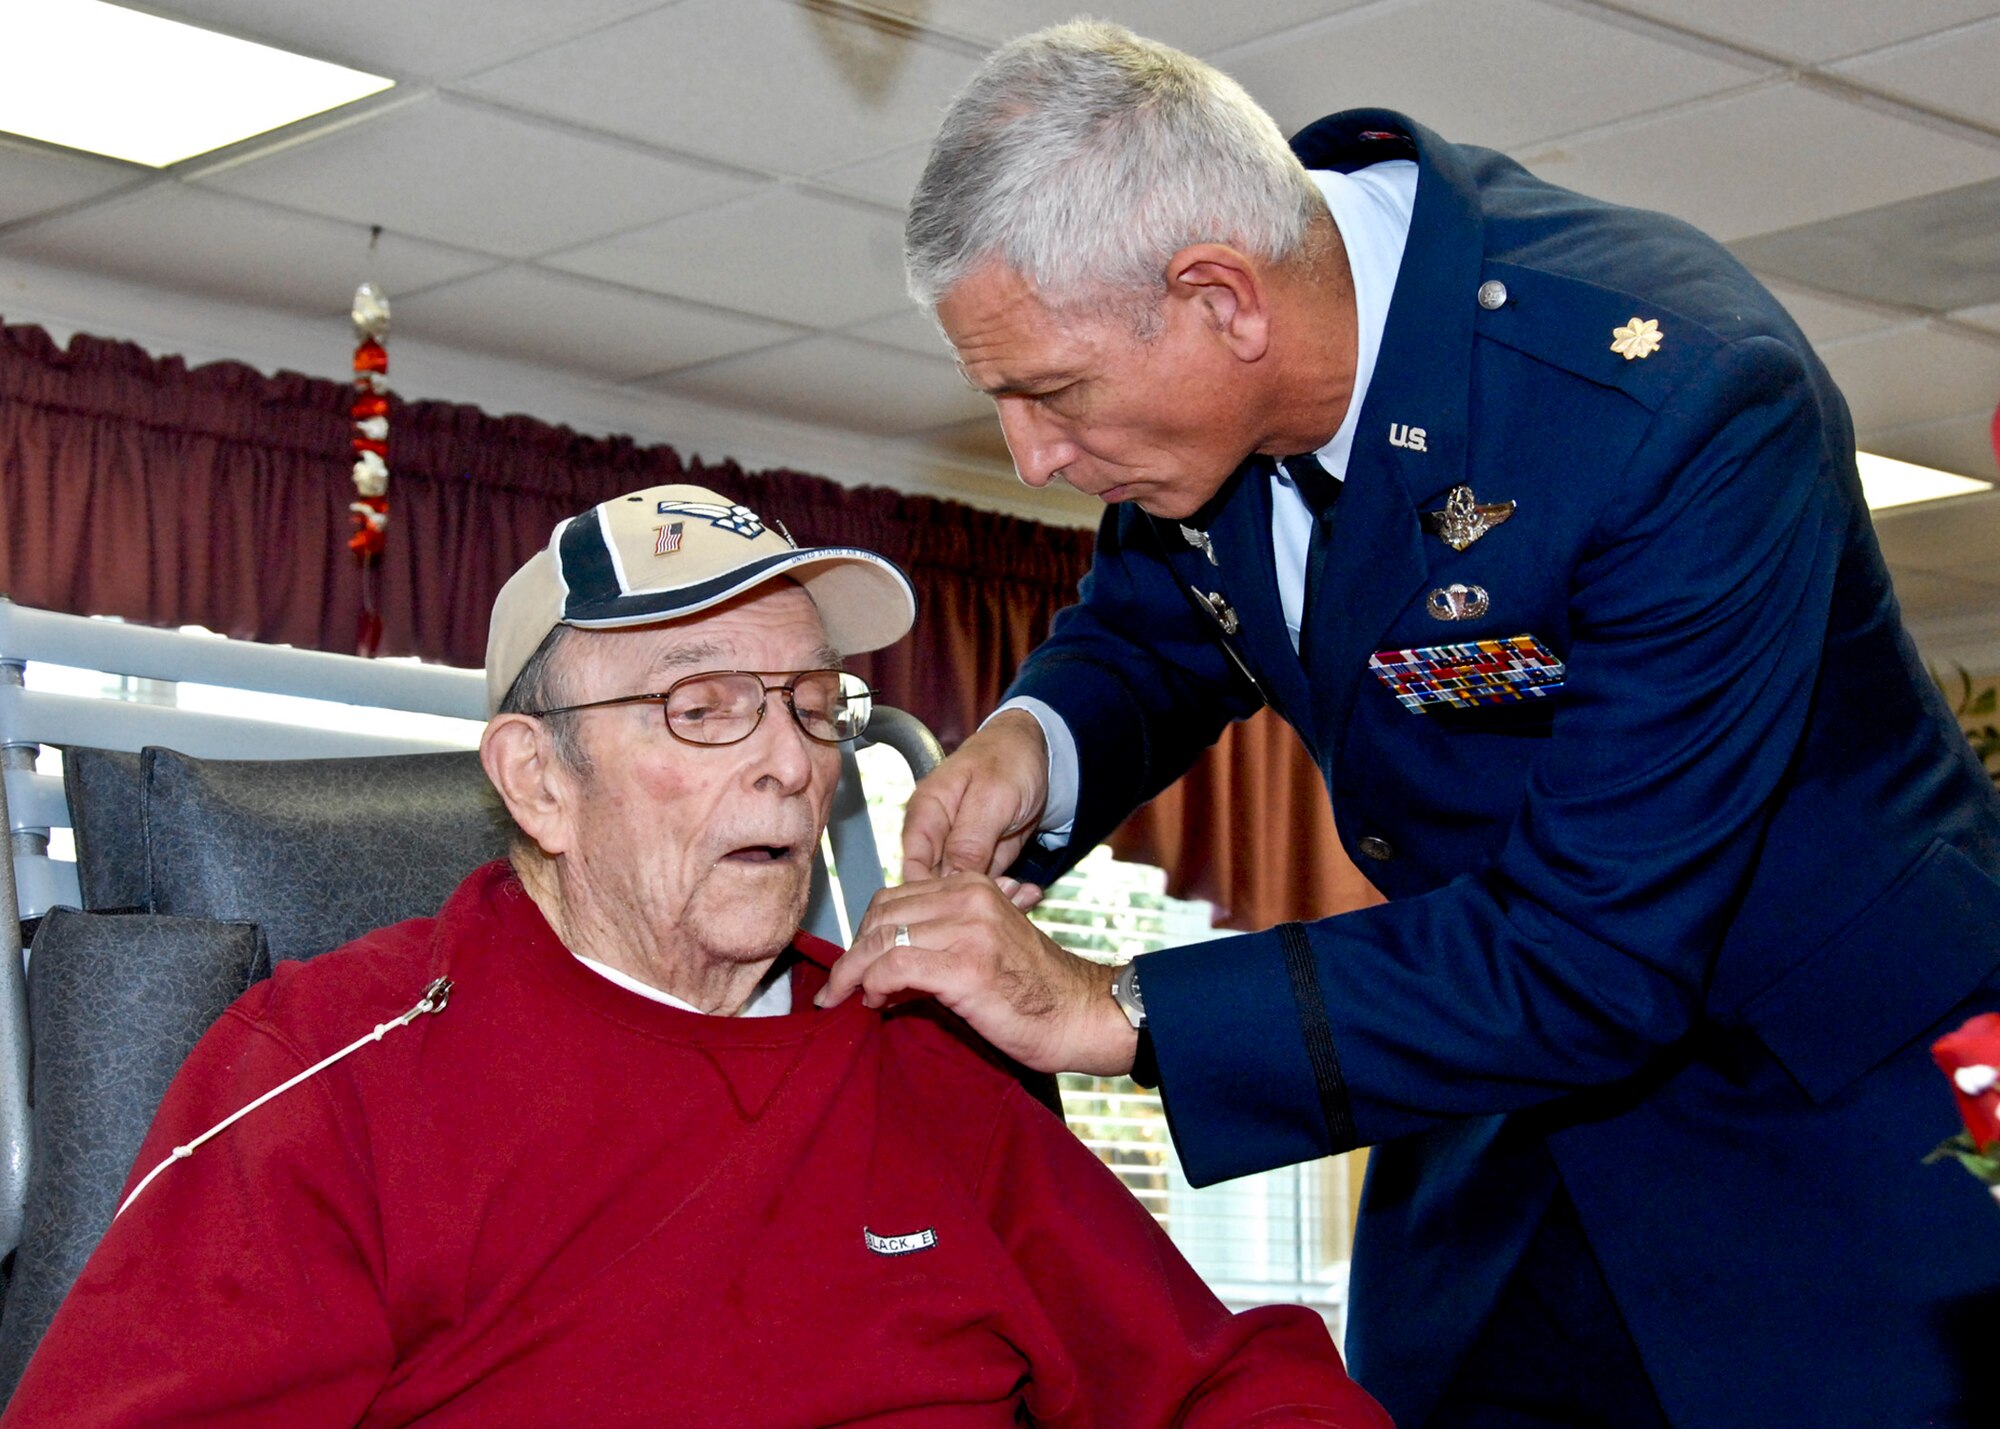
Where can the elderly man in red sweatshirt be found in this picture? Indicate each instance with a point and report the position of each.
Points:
(580, 1149)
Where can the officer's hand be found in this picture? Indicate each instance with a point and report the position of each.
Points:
(972, 950)
(978, 809)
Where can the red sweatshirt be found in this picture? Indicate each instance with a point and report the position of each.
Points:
(556, 1202)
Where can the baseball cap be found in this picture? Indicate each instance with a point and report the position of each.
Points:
(669, 552)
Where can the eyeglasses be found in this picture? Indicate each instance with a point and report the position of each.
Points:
(726, 706)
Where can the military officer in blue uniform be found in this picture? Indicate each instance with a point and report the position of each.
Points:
(1538, 519)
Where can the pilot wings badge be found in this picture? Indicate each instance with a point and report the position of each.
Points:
(1464, 519)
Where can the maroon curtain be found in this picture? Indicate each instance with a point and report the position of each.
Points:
(1248, 828)
(137, 486)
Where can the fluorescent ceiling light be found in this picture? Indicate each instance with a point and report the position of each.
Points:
(1887, 482)
(112, 81)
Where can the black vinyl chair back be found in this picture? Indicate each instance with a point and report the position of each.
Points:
(106, 791)
(315, 852)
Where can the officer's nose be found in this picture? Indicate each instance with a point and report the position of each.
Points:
(1038, 448)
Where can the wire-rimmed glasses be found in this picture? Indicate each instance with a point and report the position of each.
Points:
(726, 706)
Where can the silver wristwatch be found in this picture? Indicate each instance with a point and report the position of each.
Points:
(1125, 992)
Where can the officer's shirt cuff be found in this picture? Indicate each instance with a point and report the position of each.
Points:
(1059, 812)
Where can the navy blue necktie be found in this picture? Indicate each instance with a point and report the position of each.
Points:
(1319, 487)
(1320, 490)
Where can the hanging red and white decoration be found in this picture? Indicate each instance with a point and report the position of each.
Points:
(370, 414)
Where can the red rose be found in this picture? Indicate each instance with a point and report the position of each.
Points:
(1971, 1058)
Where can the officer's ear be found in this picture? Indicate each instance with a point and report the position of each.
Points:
(1226, 292)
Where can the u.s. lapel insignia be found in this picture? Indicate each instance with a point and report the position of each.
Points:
(1457, 602)
(1640, 337)
(1464, 519)
(1199, 540)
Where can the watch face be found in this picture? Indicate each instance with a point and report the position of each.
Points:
(1125, 990)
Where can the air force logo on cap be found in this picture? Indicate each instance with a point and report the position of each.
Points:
(740, 519)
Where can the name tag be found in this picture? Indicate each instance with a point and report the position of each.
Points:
(1479, 672)
(899, 1244)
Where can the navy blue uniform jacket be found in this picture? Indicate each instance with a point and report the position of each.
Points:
(1678, 934)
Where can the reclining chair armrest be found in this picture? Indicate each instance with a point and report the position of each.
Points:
(907, 735)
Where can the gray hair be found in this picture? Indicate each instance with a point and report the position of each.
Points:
(1084, 157)
(542, 684)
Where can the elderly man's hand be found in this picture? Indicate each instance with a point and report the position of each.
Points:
(972, 950)
(978, 809)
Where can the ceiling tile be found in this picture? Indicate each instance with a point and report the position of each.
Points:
(1940, 535)
(783, 254)
(1916, 373)
(36, 180)
(480, 179)
(1953, 72)
(580, 325)
(1775, 157)
(1961, 444)
(1819, 30)
(1938, 251)
(1827, 319)
(184, 239)
(426, 39)
(887, 178)
(779, 87)
(1198, 26)
(912, 330)
(1496, 72)
(840, 382)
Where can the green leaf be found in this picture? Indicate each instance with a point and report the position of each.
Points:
(1985, 1164)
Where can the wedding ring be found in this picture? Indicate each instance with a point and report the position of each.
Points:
(902, 938)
